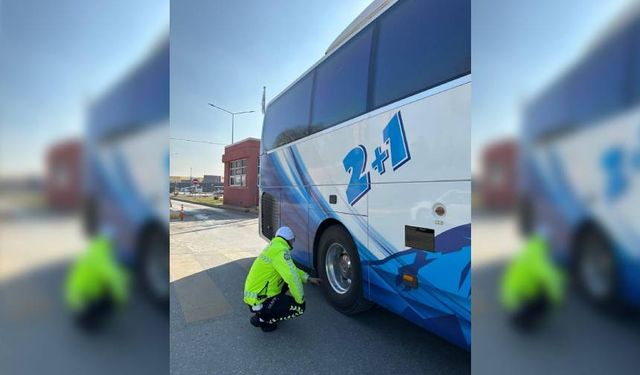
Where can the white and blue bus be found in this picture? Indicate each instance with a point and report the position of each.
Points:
(126, 167)
(580, 165)
(366, 157)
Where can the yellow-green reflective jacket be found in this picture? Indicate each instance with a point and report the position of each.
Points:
(271, 269)
(530, 275)
(95, 274)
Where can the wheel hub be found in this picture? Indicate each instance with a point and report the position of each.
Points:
(596, 270)
(338, 268)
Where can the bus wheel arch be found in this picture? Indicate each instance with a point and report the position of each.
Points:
(316, 240)
(152, 262)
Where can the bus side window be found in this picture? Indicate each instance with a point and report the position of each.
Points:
(287, 119)
(421, 44)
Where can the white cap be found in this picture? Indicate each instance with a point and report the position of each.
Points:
(286, 233)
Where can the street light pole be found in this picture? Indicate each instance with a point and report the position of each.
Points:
(233, 117)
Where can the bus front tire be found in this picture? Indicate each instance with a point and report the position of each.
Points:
(339, 266)
(595, 269)
(153, 267)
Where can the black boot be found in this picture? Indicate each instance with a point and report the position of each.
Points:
(255, 321)
(268, 327)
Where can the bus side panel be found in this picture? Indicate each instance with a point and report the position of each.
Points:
(270, 171)
(552, 199)
(354, 220)
(440, 300)
(294, 213)
(433, 134)
(127, 198)
(304, 206)
(605, 189)
(389, 162)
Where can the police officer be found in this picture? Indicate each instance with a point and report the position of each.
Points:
(532, 284)
(273, 289)
(96, 283)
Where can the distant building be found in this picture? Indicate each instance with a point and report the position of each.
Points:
(206, 184)
(211, 179)
(241, 173)
(498, 181)
(63, 183)
(177, 183)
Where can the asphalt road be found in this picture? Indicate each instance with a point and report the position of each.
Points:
(36, 331)
(211, 252)
(575, 339)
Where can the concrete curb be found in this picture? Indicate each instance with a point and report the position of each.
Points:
(222, 206)
(242, 209)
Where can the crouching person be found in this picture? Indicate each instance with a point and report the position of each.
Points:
(273, 289)
(532, 285)
(96, 284)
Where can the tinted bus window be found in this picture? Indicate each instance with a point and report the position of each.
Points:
(341, 84)
(422, 43)
(287, 119)
(635, 61)
(599, 86)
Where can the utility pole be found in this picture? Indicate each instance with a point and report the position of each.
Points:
(233, 117)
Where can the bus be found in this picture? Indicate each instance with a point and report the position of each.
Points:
(579, 166)
(366, 156)
(126, 167)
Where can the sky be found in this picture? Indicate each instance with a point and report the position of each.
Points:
(55, 57)
(519, 48)
(224, 52)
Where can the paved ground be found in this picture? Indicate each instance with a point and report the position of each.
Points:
(577, 339)
(211, 253)
(36, 332)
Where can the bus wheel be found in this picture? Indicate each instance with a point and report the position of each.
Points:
(595, 268)
(339, 267)
(153, 271)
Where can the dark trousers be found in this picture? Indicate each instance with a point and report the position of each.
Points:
(93, 316)
(531, 313)
(280, 307)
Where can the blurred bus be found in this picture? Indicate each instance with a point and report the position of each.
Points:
(580, 165)
(126, 170)
(366, 157)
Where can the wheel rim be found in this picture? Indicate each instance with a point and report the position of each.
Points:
(339, 268)
(596, 270)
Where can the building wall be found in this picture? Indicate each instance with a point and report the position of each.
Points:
(242, 196)
(63, 184)
(498, 181)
